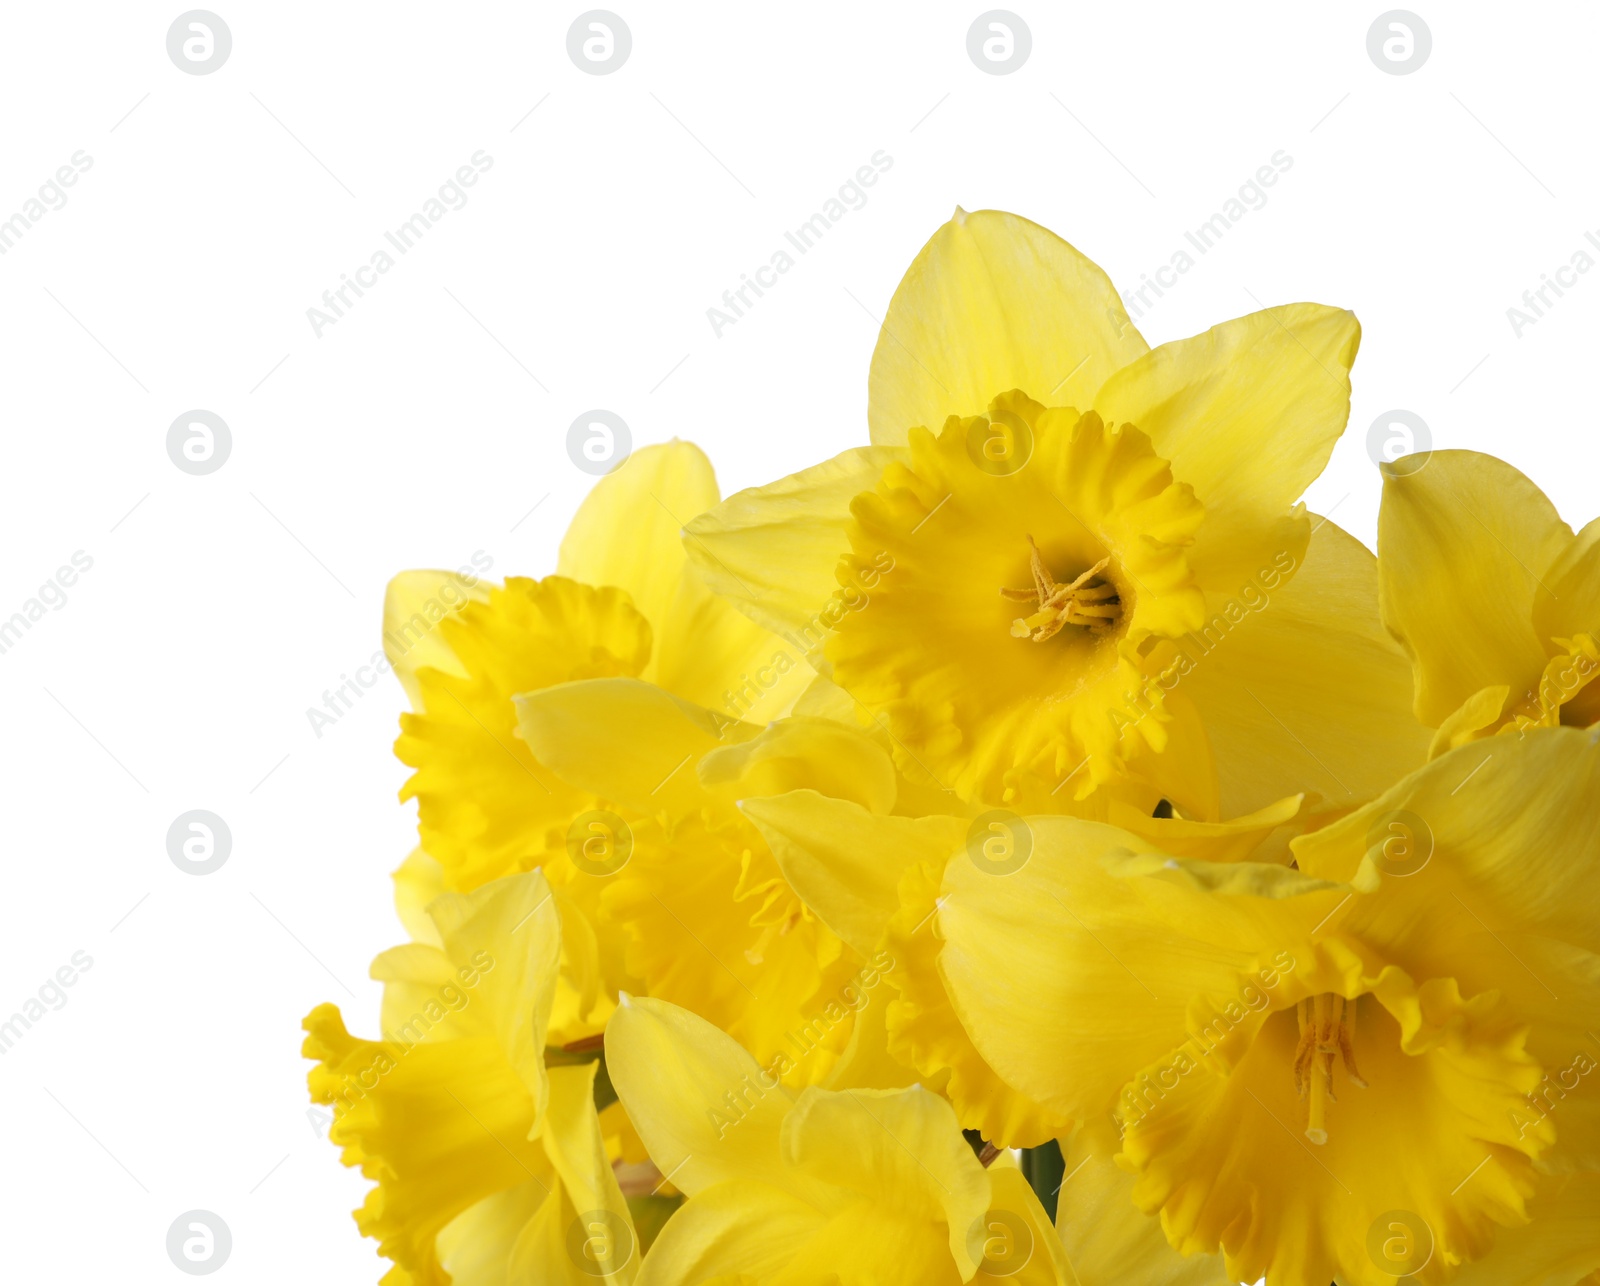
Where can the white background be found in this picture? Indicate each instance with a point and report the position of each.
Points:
(429, 421)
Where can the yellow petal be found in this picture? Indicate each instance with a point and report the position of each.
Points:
(540, 1231)
(1568, 600)
(900, 1149)
(624, 740)
(1504, 826)
(477, 1244)
(706, 1111)
(573, 1141)
(1557, 1247)
(1044, 1261)
(509, 932)
(737, 1233)
(926, 1032)
(815, 755)
(1478, 713)
(1248, 414)
(993, 302)
(425, 998)
(710, 653)
(627, 532)
(845, 862)
(1109, 1239)
(417, 881)
(413, 605)
(1299, 686)
(861, 1247)
(1463, 543)
(772, 551)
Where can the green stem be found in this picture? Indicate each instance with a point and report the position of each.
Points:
(1043, 1168)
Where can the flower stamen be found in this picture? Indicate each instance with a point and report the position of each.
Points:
(1324, 1033)
(1087, 601)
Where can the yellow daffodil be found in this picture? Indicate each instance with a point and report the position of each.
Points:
(876, 881)
(623, 603)
(858, 1187)
(1370, 1066)
(490, 1166)
(711, 923)
(1069, 558)
(1491, 593)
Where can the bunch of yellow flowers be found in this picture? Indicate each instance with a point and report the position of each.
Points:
(1028, 846)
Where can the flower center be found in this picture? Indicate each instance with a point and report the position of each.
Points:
(1325, 1025)
(1090, 601)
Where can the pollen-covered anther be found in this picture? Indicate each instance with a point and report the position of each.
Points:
(1089, 601)
(1324, 1033)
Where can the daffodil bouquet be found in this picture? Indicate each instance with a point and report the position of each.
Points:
(1028, 844)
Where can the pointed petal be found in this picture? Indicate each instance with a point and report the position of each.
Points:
(627, 532)
(1047, 1262)
(992, 303)
(1247, 413)
(1463, 544)
(772, 551)
(1504, 826)
(676, 1074)
(574, 1144)
(509, 933)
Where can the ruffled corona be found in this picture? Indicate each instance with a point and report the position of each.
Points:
(1203, 1124)
(713, 926)
(485, 805)
(484, 1157)
(1013, 629)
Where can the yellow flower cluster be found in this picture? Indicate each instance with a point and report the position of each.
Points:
(1030, 846)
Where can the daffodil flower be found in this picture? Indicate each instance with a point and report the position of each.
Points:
(1370, 1066)
(1070, 559)
(1496, 600)
(622, 603)
(709, 921)
(854, 1187)
(490, 1166)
